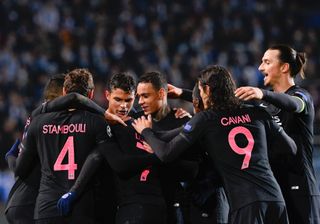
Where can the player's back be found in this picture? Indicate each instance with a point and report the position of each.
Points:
(237, 142)
(63, 141)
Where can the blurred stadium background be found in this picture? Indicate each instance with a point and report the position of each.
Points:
(39, 38)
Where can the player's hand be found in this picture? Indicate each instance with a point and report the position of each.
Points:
(181, 113)
(173, 91)
(142, 123)
(113, 119)
(147, 147)
(64, 204)
(248, 93)
(14, 150)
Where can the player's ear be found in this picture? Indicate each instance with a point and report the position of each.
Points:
(107, 95)
(162, 93)
(90, 94)
(64, 91)
(206, 90)
(285, 67)
(195, 103)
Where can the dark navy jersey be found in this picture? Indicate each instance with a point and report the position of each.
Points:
(237, 143)
(299, 126)
(61, 141)
(24, 191)
(169, 122)
(142, 186)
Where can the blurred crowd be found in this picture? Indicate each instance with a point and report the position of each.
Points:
(39, 38)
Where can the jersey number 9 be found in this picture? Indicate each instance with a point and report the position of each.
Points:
(242, 151)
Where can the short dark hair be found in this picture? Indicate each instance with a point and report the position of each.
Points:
(222, 87)
(122, 81)
(155, 78)
(78, 80)
(53, 87)
(296, 60)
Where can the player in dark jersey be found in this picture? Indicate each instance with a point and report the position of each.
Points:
(206, 190)
(62, 141)
(139, 191)
(292, 107)
(209, 196)
(152, 97)
(140, 197)
(235, 138)
(23, 194)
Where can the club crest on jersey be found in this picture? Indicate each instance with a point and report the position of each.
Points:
(109, 131)
(187, 127)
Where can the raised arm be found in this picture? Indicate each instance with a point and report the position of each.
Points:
(166, 151)
(73, 100)
(176, 92)
(284, 101)
(281, 100)
(77, 101)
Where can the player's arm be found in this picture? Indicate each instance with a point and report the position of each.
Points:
(281, 143)
(283, 101)
(12, 154)
(168, 135)
(176, 92)
(166, 151)
(119, 162)
(124, 164)
(89, 168)
(73, 100)
(77, 101)
(28, 155)
(18, 146)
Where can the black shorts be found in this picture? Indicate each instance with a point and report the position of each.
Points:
(20, 214)
(260, 212)
(303, 209)
(141, 214)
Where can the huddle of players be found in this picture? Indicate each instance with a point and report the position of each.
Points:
(237, 139)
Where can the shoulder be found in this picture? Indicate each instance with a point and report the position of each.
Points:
(203, 116)
(300, 92)
(257, 111)
(199, 121)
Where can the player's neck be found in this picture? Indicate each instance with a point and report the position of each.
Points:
(283, 85)
(161, 113)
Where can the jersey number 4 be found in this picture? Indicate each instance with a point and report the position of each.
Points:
(70, 166)
(242, 151)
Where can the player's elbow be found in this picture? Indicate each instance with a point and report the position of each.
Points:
(293, 147)
(165, 157)
(95, 157)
